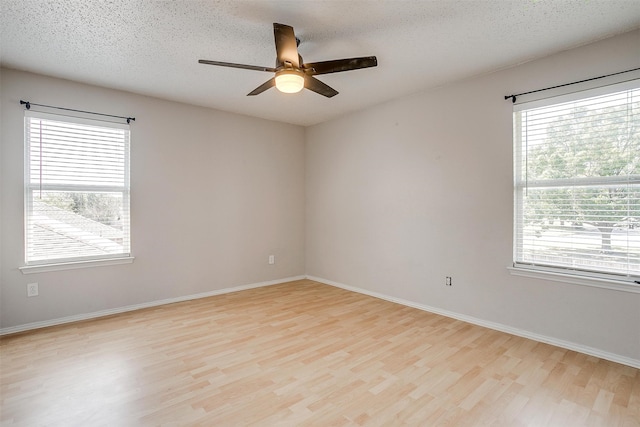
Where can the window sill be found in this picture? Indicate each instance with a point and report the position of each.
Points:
(597, 282)
(43, 268)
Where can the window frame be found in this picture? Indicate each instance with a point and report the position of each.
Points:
(609, 280)
(30, 189)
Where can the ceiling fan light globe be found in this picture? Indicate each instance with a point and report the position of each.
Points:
(289, 81)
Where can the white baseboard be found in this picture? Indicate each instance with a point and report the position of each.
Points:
(492, 325)
(469, 319)
(109, 312)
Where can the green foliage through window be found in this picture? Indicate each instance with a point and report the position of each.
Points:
(578, 184)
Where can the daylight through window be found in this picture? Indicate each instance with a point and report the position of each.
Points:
(76, 189)
(577, 183)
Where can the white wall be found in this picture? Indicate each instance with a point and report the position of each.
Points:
(213, 194)
(401, 195)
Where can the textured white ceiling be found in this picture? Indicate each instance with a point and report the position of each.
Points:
(152, 47)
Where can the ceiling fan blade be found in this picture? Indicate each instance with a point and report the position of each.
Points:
(338, 65)
(317, 86)
(264, 86)
(232, 65)
(286, 45)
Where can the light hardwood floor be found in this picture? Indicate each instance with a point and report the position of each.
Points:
(302, 353)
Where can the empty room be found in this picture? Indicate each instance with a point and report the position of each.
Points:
(314, 213)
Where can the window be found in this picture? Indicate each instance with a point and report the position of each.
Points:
(76, 189)
(577, 183)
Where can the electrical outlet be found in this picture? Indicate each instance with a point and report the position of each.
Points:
(32, 290)
(272, 259)
(447, 281)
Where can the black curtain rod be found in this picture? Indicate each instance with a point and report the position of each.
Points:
(513, 97)
(29, 104)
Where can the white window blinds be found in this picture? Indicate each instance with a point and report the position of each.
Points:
(577, 182)
(76, 189)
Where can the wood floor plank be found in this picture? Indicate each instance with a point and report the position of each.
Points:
(302, 353)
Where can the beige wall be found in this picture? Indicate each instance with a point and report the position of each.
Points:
(213, 194)
(397, 197)
(401, 195)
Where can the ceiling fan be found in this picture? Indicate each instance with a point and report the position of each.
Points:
(291, 73)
